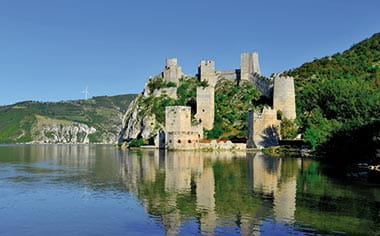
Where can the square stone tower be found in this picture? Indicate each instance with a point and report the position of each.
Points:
(180, 134)
(178, 119)
(284, 96)
(249, 65)
(206, 72)
(263, 129)
(206, 106)
(172, 72)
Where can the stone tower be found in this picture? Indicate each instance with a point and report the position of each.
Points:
(172, 72)
(206, 72)
(284, 96)
(206, 106)
(177, 118)
(179, 133)
(249, 65)
(263, 129)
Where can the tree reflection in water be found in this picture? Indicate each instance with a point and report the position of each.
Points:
(242, 193)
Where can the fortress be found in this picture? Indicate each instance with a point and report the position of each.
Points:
(263, 127)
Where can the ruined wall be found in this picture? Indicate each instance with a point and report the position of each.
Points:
(206, 72)
(172, 72)
(263, 129)
(198, 129)
(185, 140)
(249, 64)
(180, 135)
(206, 106)
(232, 75)
(264, 86)
(170, 92)
(284, 96)
(177, 118)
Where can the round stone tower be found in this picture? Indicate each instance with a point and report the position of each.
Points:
(284, 96)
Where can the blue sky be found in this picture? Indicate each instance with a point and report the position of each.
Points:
(50, 50)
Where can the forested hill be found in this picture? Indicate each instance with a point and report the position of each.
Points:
(339, 93)
(361, 61)
(93, 120)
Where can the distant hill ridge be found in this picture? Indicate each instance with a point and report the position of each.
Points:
(95, 120)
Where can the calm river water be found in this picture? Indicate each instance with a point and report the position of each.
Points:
(99, 190)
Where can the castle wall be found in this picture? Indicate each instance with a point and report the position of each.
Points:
(232, 75)
(284, 96)
(263, 129)
(223, 146)
(264, 86)
(206, 106)
(206, 71)
(198, 129)
(172, 72)
(170, 92)
(249, 64)
(182, 140)
(177, 118)
(180, 134)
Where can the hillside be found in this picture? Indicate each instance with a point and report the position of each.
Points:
(94, 120)
(341, 91)
(338, 105)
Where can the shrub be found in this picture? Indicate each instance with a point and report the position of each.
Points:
(288, 129)
(136, 143)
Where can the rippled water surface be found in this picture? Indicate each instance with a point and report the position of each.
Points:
(99, 190)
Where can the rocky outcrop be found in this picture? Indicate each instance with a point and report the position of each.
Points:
(136, 123)
(47, 130)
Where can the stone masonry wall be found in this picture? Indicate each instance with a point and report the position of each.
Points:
(178, 118)
(206, 71)
(172, 72)
(264, 86)
(232, 75)
(284, 96)
(182, 140)
(249, 64)
(263, 129)
(206, 106)
(170, 92)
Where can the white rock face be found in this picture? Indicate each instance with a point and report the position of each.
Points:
(136, 123)
(49, 130)
(148, 124)
(132, 120)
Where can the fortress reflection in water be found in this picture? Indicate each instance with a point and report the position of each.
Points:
(199, 178)
(186, 192)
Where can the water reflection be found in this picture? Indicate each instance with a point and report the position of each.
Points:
(191, 177)
(195, 192)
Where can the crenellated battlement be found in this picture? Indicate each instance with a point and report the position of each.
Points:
(172, 72)
(206, 72)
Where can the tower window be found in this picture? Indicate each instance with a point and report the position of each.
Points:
(189, 141)
(179, 140)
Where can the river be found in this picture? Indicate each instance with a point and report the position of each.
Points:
(100, 190)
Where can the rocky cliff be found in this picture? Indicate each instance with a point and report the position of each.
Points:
(95, 120)
(48, 130)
